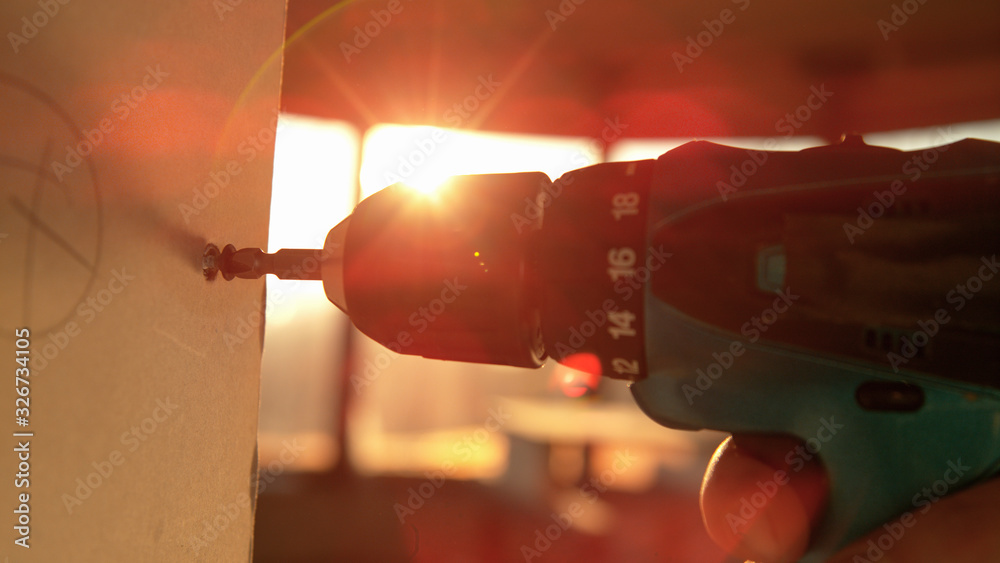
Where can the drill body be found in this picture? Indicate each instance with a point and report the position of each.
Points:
(842, 294)
(847, 295)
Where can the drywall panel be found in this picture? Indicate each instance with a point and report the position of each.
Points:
(131, 133)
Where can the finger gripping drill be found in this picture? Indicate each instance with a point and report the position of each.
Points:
(847, 295)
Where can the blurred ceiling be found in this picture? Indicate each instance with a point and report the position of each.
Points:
(570, 67)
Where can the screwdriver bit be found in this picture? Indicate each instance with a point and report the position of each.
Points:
(252, 263)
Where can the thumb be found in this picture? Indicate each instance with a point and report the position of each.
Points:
(761, 496)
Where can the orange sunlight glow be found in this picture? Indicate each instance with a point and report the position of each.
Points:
(315, 169)
(424, 157)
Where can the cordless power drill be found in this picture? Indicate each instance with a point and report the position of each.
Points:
(848, 295)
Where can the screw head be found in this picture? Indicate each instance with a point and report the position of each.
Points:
(210, 261)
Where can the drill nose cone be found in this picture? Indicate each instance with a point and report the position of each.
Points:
(332, 265)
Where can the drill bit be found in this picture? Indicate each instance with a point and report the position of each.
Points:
(252, 263)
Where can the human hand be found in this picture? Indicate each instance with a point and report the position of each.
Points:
(761, 503)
